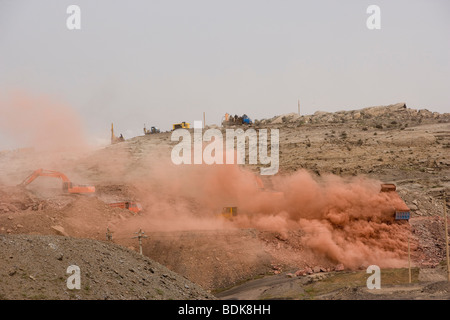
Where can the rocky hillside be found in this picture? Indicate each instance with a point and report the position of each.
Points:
(35, 266)
(378, 115)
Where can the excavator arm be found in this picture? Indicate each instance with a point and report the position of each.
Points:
(67, 185)
(30, 178)
(44, 173)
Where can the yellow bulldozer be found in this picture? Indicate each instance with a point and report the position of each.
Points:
(182, 125)
(229, 213)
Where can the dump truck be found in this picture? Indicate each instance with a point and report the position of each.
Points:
(401, 210)
(67, 185)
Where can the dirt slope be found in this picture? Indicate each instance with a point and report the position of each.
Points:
(34, 267)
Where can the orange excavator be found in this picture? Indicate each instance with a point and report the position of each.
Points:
(67, 185)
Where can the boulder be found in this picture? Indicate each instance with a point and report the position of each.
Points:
(300, 273)
(339, 267)
(60, 230)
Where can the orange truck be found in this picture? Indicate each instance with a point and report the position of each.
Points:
(67, 185)
(130, 205)
(401, 210)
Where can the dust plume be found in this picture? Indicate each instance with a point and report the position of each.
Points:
(344, 220)
(40, 122)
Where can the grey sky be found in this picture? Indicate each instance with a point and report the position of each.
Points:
(162, 62)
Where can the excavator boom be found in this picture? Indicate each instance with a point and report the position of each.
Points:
(44, 173)
(67, 185)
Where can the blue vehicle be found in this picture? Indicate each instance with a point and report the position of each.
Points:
(246, 119)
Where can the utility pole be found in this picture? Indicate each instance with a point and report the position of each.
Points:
(409, 259)
(446, 236)
(204, 120)
(139, 236)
